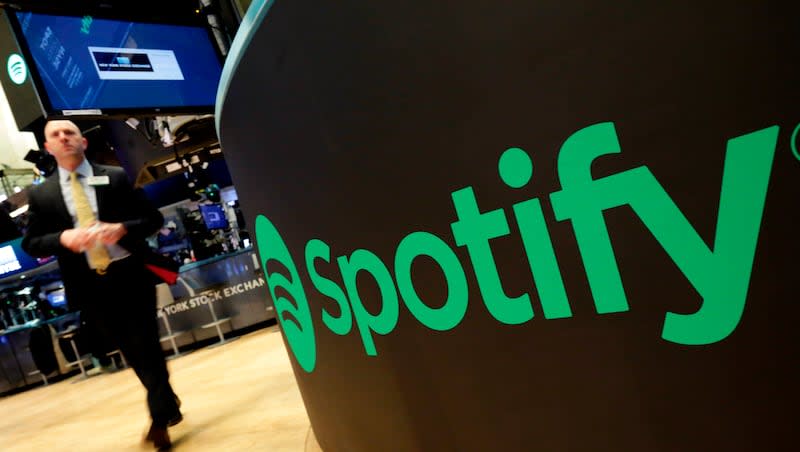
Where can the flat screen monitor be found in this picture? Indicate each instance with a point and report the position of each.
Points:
(14, 260)
(109, 67)
(57, 298)
(214, 216)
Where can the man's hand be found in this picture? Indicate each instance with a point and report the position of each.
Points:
(78, 240)
(110, 233)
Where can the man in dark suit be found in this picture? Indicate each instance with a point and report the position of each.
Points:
(92, 219)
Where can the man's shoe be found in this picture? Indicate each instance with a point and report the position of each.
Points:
(159, 437)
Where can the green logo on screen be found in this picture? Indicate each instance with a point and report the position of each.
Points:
(17, 71)
(720, 272)
(86, 24)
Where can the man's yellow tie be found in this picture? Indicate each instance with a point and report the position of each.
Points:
(98, 254)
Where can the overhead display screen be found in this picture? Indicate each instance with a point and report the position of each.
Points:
(86, 63)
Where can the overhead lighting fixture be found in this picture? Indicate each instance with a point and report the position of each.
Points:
(18, 212)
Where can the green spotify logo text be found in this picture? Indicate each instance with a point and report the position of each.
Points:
(720, 273)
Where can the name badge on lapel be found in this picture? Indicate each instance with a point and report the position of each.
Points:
(98, 180)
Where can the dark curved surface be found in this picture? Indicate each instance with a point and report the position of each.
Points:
(353, 122)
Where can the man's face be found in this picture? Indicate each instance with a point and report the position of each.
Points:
(63, 140)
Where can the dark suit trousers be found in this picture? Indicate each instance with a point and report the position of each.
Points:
(123, 307)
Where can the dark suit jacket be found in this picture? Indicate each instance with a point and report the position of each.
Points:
(117, 202)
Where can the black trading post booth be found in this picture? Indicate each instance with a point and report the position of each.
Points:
(526, 226)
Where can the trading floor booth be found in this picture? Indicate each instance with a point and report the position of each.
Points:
(526, 225)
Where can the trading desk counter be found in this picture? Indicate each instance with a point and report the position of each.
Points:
(213, 297)
(16, 360)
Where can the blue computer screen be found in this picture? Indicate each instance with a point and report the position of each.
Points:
(57, 298)
(92, 63)
(214, 216)
(14, 260)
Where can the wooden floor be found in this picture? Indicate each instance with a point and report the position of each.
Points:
(240, 396)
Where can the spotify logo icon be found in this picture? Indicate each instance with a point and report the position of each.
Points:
(17, 71)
